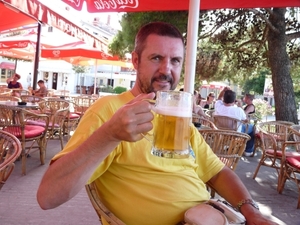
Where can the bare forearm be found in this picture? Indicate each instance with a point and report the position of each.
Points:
(229, 186)
(60, 183)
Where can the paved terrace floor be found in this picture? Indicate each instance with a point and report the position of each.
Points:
(18, 203)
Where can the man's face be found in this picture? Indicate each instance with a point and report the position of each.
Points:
(160, 64)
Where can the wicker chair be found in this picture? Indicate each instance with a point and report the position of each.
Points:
(229, 146)
(228, 123)
(31, 98)
(16, 120)
(58, 110)
(99, 207)
(205, 123)
(290, 170)
(24, 92)
(9, 98)
(10, 150)
(290, 165)
(274, 145)
(84, 101)
(75, 114)
(279, 129)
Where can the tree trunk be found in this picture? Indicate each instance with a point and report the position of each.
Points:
(284, 96)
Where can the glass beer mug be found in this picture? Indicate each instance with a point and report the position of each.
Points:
(173, 117)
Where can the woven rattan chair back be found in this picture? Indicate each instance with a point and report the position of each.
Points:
(58, 111)
(9, 98)
(15, 120)
(10, 150)
(228, 123)
(278, 129)
(204, 122)
(99, 207)
(227, 145)
(274, 144)
(31, 98)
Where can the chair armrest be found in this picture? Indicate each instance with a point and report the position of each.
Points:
(28, 115)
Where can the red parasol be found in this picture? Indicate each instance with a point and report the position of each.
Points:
(81, 54)
(76, 49)
(170, 5)
(32, 11)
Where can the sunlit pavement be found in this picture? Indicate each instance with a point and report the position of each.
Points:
(18, 203)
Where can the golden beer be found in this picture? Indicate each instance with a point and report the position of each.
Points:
(171, 136)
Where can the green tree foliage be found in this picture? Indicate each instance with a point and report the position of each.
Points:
(237, 45)
(79, 69)
(119, 90)
(131, 22)
(255, 85)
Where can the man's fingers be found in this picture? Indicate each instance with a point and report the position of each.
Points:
(142, 97)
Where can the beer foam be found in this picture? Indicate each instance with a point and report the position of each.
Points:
(173, 111)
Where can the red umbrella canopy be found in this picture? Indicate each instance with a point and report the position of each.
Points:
(170, 5)
(24, 46)
(47, 41)
(16, 13)
(81, 54)
(16, 19)
(76, 50)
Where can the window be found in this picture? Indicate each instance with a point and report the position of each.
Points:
(6, 73)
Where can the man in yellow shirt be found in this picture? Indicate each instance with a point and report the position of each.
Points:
(108, 147)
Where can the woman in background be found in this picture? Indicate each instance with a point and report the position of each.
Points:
(12, 83)
(210, 101)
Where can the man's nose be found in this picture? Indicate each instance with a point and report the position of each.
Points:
(165, 67)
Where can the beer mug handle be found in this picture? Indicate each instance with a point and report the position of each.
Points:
(145, 136)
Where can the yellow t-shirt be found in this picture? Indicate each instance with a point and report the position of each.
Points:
(140, 188)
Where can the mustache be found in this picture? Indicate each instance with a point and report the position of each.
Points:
(163, 77)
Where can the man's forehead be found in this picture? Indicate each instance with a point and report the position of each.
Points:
(160, 44)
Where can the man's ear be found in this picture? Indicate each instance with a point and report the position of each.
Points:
(135, 59)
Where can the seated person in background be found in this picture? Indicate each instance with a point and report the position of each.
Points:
(227, 107)
(12, 83)
(249, 108)
(108, 148)
(198, 97)
(197, 109)
(210, 101)
(42, 91)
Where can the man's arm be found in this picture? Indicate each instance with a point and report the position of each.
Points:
(60, 182)
(221, 94)
(230, 187)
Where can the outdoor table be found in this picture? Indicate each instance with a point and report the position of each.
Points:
(29, 105)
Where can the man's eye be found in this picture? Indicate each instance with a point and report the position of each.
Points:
(175, 61)
(156, 58)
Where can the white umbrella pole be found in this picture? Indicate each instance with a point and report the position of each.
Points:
(95, 78)
(191, 48)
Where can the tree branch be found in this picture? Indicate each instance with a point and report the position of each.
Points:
(258, 13)
(214, 28)
(293, 36)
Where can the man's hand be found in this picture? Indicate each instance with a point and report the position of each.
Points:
(131, 120)
(256, 218)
